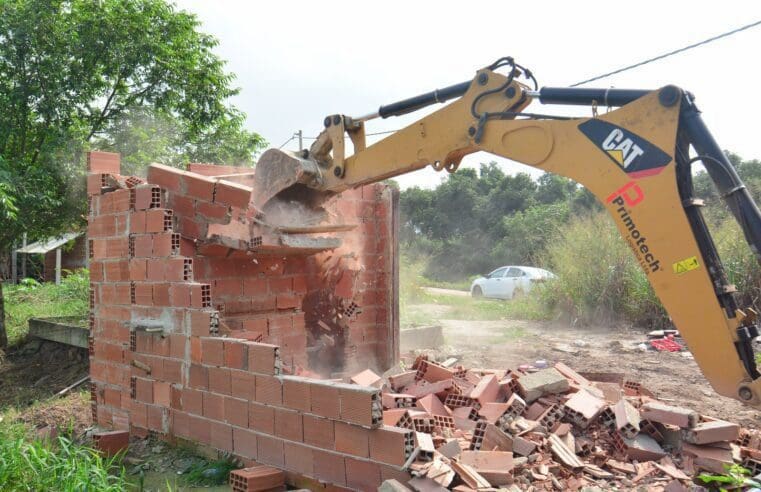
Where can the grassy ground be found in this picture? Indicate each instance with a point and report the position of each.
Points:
(460, 285)
(31, 299)
(58, 464)
(28, 382)
(29, 461)
(419, 312)
(416, 302)
(63, 462)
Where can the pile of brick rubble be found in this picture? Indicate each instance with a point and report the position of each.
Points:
(550, 429)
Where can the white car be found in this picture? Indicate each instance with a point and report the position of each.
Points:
(507, 282)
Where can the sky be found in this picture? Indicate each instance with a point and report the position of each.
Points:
(297, 62)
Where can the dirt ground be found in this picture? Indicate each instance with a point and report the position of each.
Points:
(32, 374)
(672, 377)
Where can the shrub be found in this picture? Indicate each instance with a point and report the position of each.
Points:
(35, 300)
(740, 263)
(60, 465)
(525, 234)
(599, 280)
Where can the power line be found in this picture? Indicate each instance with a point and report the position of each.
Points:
(382, 133)
(670, 53)
(366, 134)
(604, 75)
(286, 142)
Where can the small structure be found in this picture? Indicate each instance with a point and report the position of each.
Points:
(55, 258)
(69, 330)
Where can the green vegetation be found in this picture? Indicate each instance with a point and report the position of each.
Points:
(476, 221)
(598, 277)
(132, 76)
(31, 299)
(209, 473)
(62, 465)
(456, 231)
(421, 307)
(467, 308)
(735, 478)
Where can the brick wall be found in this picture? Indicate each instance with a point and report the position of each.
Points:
(202, 321)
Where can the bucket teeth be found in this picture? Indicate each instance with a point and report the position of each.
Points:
(277, 170)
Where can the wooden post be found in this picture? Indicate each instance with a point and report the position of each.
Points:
(23, 257)
(14, 266)
(58, 266)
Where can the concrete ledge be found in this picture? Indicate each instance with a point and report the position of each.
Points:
(61, 330)
(423, 337)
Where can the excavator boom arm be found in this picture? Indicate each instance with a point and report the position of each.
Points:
(634, 159)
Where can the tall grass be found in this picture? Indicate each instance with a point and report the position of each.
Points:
(599, 279)
(58, 466)
(741, 266)
(31, 299)
(411, 280)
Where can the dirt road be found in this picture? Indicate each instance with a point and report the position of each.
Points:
(447, 292)
(673, 377)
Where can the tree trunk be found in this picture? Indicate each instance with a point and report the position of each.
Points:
(3, 334)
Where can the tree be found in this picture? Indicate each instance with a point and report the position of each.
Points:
(477, 220)
(8, 212)
(72, 71)
(554, 188)
(511, 194)
(143, 136)
(526, 233)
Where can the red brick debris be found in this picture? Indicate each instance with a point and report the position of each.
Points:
(257, 478)
(552, 429)
(111, 443)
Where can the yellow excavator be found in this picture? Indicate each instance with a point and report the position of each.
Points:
(636, 159)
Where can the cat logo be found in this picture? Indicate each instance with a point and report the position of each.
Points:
(632, 153)
(622, 150)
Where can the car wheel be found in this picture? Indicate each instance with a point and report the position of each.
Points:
(477, 292)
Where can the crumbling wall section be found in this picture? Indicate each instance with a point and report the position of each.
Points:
(205, 342)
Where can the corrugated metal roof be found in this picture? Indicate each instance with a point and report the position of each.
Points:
(46, 245)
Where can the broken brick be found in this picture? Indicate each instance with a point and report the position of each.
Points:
(111, 443)
(494, 466)
(257, 478)
(367, 378)
(543, 382)
(582, 408)
(487, 390)
(627, 419)
(667, 414)
(711, 432)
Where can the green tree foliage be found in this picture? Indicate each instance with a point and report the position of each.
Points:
(526, 233)
(144, 135)
(75, 73)
(479, 219)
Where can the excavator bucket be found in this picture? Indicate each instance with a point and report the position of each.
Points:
(280, 173)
